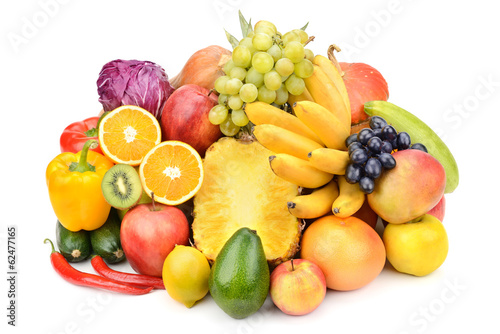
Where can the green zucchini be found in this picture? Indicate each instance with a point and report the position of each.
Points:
(419, 132)
(74, 246)
(106, 239)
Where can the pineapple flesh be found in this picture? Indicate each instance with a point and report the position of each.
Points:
(240, 190)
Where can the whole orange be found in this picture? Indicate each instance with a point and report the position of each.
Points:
(349, 252)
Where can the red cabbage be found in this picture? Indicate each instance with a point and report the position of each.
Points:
(133, 82)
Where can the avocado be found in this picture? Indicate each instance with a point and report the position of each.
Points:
(239, 277)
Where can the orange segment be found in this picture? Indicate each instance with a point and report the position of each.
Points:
(173, 171)
(127, 133)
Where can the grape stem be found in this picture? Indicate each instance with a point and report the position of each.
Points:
(332, 58)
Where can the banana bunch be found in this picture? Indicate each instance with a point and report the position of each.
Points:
(309, 146)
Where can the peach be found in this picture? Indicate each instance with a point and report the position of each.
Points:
(410, 189)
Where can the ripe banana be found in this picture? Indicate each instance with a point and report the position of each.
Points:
(298, 171)
(305, 96)
(325, 124)
(329, 160)
(350, 199)
(333, 73)
(264, 113)
(419, 132)
(324, 92)
(281, 140)
(315, 204)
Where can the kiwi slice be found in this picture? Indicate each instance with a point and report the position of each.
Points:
(121, 186)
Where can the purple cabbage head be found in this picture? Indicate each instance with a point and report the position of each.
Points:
(133, 82)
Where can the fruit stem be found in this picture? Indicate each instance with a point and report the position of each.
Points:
(293, 268)
(82, 165)
(153, 200)
(310, 39)
(51, 244)
(332, 58)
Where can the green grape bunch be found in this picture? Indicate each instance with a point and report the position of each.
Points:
(265, 66)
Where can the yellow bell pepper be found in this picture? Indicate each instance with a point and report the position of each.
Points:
(74, 184)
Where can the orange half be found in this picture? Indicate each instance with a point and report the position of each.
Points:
(172, 171)
(127, 133)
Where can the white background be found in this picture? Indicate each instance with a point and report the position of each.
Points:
(440, 59)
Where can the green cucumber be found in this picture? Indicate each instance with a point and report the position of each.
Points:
(106, 239)
(419, 132)
(74, 246)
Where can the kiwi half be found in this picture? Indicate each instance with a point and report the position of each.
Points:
(121, 186)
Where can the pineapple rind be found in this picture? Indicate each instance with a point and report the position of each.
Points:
(240, 190)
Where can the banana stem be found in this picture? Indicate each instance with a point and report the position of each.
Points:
(310, 39)
(332, 58)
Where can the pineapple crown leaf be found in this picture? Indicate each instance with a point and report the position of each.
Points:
(232, 40)
(246, 28)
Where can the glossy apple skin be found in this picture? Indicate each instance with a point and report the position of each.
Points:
(363, 83)
(410, 189)
(148, 236)
(185, 117)
(299, 291)
(366, 214)
(439, 210)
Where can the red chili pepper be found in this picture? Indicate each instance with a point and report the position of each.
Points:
(133, 279)
(74, 276)
(76, 134)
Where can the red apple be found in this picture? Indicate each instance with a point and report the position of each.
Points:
(439, 209)
(149, 232)
(366, 214)
(363, 83)
(297, 286)
(185, 117)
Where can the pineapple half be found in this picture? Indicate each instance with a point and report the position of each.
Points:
(240, 190)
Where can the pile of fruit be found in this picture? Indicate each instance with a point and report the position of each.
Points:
(258, 171)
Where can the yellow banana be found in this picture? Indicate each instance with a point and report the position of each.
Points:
(350, 199)
(298, 171)
(305, 96)
(325, 124)
(281, 140)
(316, 204)
(325, 93)
(333, 73)
(329, 160)
(264, 113)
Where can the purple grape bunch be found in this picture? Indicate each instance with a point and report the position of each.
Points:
(370, 152)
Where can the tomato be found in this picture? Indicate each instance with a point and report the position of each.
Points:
(76, 134)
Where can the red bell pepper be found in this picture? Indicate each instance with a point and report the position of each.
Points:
(76, 134)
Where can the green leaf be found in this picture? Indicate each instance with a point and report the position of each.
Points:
(250, 29)
(246, 27)
(232, 40)
(304, 27)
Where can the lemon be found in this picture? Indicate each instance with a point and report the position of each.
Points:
(418, 247)
(185, 275)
